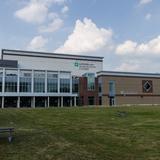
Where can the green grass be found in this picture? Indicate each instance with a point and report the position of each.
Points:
(82, 134)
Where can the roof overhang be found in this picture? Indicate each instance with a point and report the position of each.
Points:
(128, 74)
(50, 55)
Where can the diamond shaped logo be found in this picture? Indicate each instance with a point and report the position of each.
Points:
(147, 86)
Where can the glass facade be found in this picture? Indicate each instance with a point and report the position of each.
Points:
(39, 81)
(64, 85)
(25, 81)
(91, 81)
(52, 82)
(11, 80)
(75, 84)
(36, 88)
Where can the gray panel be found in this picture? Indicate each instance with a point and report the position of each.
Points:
(9, 63)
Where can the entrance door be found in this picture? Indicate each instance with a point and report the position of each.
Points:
(112, 101)
(90, 100)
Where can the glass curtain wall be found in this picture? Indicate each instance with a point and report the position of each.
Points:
(75, 84)
(39, 81)
(64, 85)
(65, 82)
(90, 81)
(11, 80)
(25, 81)
(52, 82)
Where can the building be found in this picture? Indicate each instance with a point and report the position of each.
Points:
(119, 88)
(38, 79)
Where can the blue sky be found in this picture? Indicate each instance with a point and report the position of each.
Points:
(125, 32)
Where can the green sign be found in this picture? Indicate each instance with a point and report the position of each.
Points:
(76, 64)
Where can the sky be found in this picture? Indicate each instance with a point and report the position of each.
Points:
(125, 32)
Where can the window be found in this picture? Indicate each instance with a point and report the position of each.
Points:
(100, 85)
(25, 81)
(64, 85)
(52, 82)
(11, 81)
(75, 84)
(111, 88)
(39, 81)
(90, 81)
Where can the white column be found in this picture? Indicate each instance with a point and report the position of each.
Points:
(18, 80)
(3, 81)
(48, 102)
(70, 101)
(33, 102)
(58, 101)
(75, 103)
(18, 102)
(71, 84)
(58, 82)
(45, 81)
(61, 101)
(3, 86)
(32, 85)
(2, 102)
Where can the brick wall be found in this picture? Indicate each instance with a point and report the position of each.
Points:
(84, 93)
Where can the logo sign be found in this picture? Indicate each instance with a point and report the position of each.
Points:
(76, 64)
(147, 86)
(84, 65)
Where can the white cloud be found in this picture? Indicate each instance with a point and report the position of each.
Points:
(148, 16)
(65, 9)
(52, 27)
(86, 37)
(33, 12)
(128, 67)
(37, 43)
(36, 11)
(52, 15)
(143, 2)
(130, 47)
(60, 1)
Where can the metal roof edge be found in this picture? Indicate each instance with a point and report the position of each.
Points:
(51, 54)
(131, 74)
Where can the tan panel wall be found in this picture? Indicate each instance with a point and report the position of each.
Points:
(137, 100)
(105, 100)
(130, 85)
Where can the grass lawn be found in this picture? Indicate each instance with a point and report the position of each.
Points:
(125, 133)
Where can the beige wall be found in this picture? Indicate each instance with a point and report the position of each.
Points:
(137, 100)
(129, 90)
